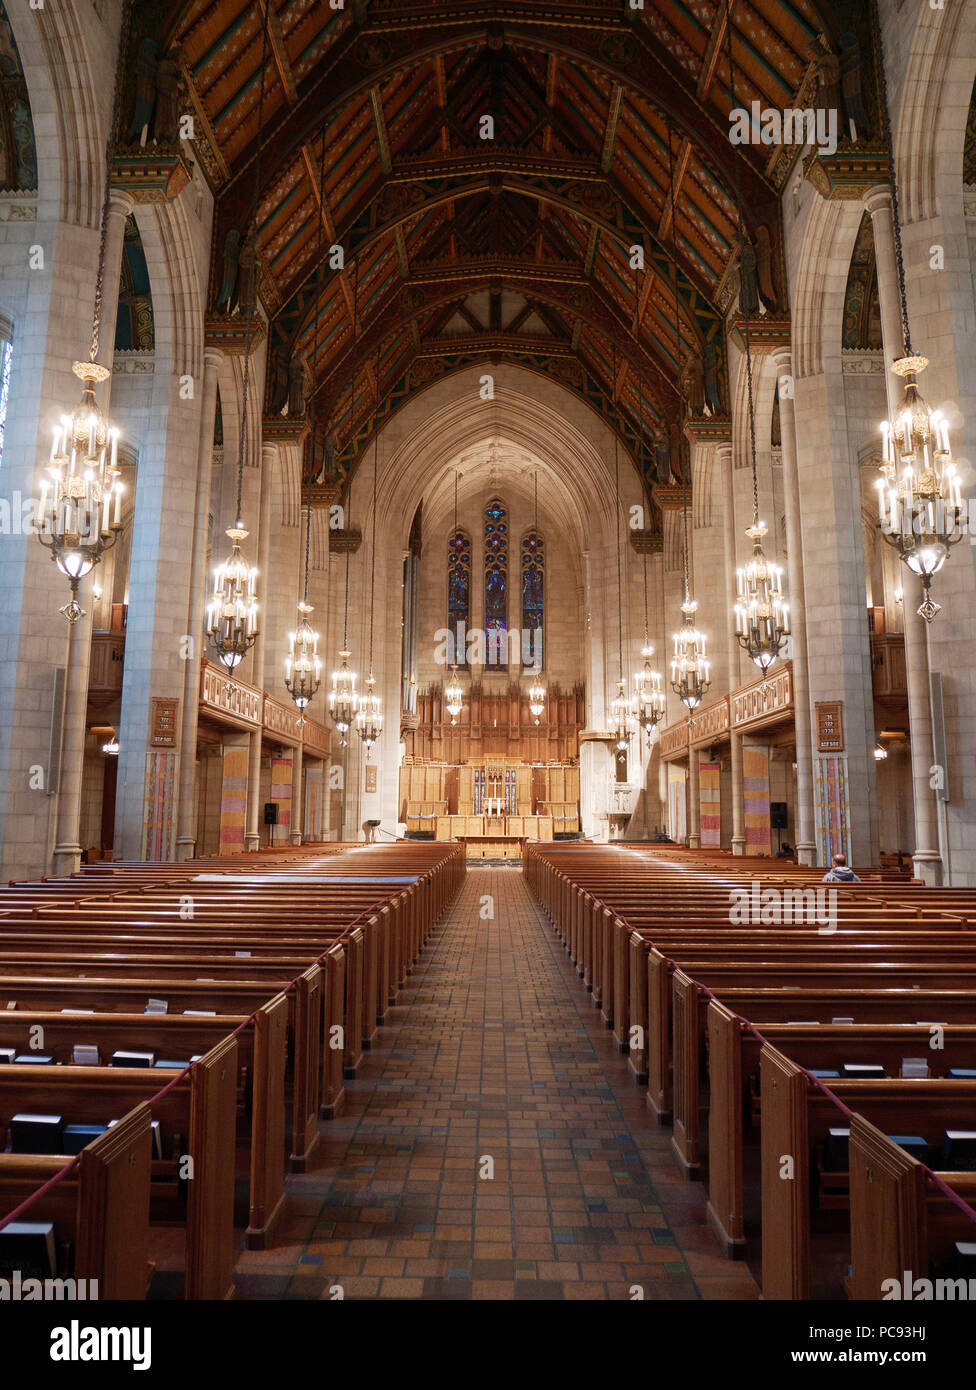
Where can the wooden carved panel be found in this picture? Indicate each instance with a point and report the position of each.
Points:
(830, 726)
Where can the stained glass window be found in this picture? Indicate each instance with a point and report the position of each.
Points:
(459, 592)
(8, 352)
(496, 583)
(533, 597)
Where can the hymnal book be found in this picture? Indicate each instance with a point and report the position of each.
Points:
(825, 1075)
(28, 1246)
(170, 1066)
(7, 1054)
(33, 1059)
(914, 1068)
(157, 1006)
(77, 1011)
(965, 1255)
(199, 1013)
(37, 1134)
(836, 1150)
(77, 1137)
(913, 1144)
(121, 1058)
(959, 1150)
(197, 1057)
(843, 1021)
(242, 953)
(963, 1073)
(85, 1055)
(157, 1140)
(863, 1069)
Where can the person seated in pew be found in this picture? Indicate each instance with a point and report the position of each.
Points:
(785, 851)
(839, 872)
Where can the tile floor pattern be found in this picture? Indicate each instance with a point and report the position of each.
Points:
(493, 1061)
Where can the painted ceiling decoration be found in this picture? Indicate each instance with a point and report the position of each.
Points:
(18, 155)
(134, 328)
(461, 249)
(862, 308)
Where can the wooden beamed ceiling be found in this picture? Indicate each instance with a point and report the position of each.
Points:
(373, 140)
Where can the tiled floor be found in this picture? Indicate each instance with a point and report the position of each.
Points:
(493, 1146)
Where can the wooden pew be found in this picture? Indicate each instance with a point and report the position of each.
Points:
(796, 1115)
(733, 1062)
(201, 1105)
(101, 1206)
(900, 1222)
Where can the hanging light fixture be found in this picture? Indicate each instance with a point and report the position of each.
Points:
(453, 694)
(112, 746)
(303, 666)
(232, 613)
(762, 624)
(689, 664)
(648, 690)
(369, 719)
(80, 509)
(537, 691)
(622, 715)
(343, 699)
(920, 506)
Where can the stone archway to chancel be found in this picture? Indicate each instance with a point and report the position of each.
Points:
(531, 429)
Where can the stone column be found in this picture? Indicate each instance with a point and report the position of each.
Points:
(269, 457)
(927, 860)
(67, 846)
(297, 804)
(694, 798)
(187, 826)
(806, 842)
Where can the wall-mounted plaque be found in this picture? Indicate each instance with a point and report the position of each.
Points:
(164, 716)
(370, 778)
(830, 726)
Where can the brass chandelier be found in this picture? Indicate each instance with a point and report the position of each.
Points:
(303, 666)
(762, 626)
(80, 507)
(369, 717)
(232, 613)
(343, 699)
(622, 715)
(689, 664)
(920, 507)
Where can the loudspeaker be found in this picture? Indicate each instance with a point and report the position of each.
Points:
(271, 813)
(778, 815)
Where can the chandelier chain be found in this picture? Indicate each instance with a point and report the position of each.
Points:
(253, 224)
(742, 239)
(372, 574)
(352, 437)
(106, 201)
(895, 214)
(678, 337)
(616, 519)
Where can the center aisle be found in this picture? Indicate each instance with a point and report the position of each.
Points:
(494, 1062)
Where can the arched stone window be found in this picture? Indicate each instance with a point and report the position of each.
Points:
(459, 592)
(533, 597)
(496, 583)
